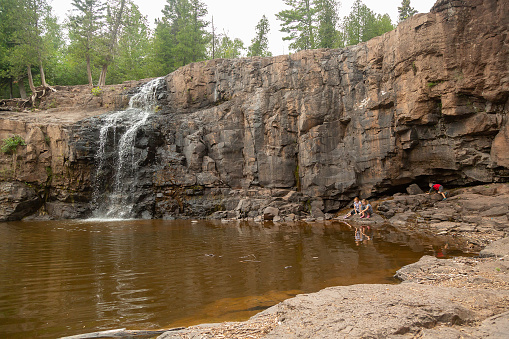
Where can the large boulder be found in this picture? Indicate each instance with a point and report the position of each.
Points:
(414, 189)
(17, 200)
(498, 248)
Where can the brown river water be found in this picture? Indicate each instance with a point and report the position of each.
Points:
(60, 278)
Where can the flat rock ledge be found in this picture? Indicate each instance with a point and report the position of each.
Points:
(463, 297)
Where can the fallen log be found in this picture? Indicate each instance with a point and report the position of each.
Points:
(18, 103)
(121, 333)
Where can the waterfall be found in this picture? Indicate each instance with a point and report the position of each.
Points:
(119, 156)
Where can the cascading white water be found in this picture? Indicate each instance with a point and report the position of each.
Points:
(117, 158)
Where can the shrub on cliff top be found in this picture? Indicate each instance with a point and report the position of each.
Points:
(96, 91)
(10, 144)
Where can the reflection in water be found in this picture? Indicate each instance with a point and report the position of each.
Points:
(64, 278)
(362, 233)
(441, 252)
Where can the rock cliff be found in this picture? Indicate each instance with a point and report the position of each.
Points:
(427, 101)
(305, 133)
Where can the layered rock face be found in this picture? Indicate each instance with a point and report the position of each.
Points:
(306, 133)
(425, 102)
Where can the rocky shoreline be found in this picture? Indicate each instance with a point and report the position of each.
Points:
(462, 297)
(472, 216)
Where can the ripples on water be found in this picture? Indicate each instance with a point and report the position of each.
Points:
(65, 278)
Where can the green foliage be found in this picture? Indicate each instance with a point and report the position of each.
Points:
(405, 11)
(54, 45)
(6, 36)
(180, 36)
(96, 91)
(432, 84)
(9, 145)
(84, 26)
(115, 13)
(328, 34)
(52, 104)
(114, 36)
(297, 178)
(362, 24)
(229, 49)
(49, 172)
(23, 35)
(260, 43)
(132, 59)
(299, 22)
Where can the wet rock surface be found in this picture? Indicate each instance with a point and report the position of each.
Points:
(17, 201)
(415, 105)
(477, 214)
(57, 163)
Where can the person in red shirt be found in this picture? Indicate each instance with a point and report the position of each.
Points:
(438, 188)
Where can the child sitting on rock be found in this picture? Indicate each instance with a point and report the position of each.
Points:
(438, 188)
(356, 208)
(366, 209)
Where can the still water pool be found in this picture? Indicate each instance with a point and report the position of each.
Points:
(60, 278)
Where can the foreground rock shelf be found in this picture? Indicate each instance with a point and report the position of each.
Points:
(447, 298)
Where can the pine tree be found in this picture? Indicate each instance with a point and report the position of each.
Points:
(328, 35)
(260, 43)
(214, 40)
(114, 22)
(54, 46)
(354, 23)
(383, 24)
(84, 25)
(180, 35)
(6, 44)
(405, 11)
(199, 37)
(299, 22)
(163, 58)
(362, 24)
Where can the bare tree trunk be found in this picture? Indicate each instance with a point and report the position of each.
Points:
(10, 88)
(213, 39)
(30, 79)
(89, 72)
(118, 20)
(122, 333)
(22, 92)
(43, 76)
(102, 78)
(112, 44)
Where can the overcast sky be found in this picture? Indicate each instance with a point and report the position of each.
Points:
(238, 18)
